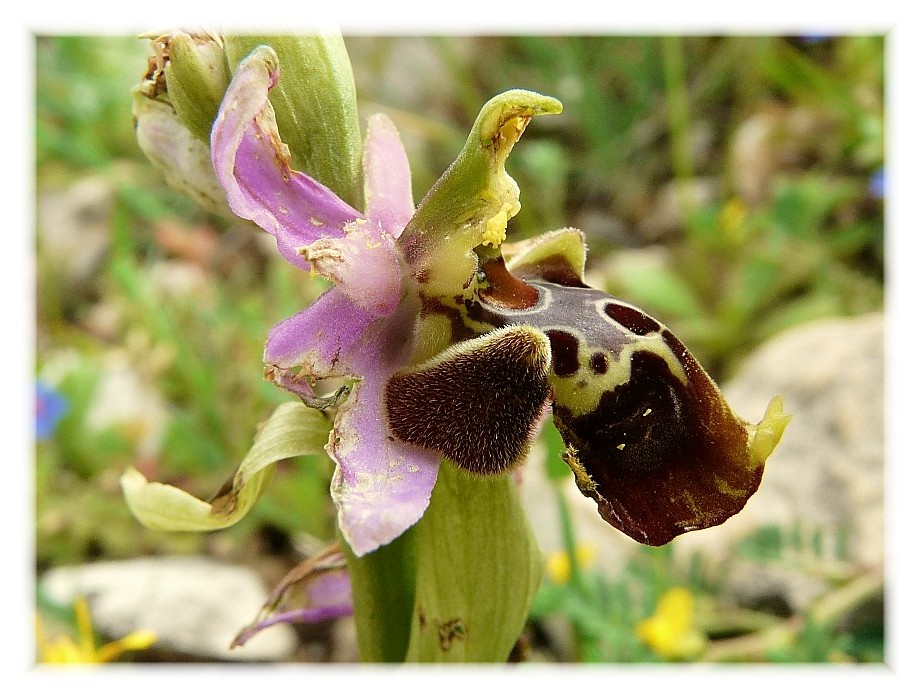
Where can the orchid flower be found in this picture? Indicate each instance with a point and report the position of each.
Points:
(450, 347)
(628, 398)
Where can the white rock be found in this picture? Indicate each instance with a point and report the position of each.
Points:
(827, 473)
(73, 227)
(123, 397)
(194, 605)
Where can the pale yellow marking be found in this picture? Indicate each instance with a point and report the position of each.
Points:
(725, 488)
(582, 391)
(496, 227)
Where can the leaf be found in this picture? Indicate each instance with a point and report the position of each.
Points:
(478, 570)
(649, 284)
(292, 430)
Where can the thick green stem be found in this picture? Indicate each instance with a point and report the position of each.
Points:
(478, 569)
(383, 587)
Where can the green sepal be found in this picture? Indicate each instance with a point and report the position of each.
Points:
(382, 586)
(197, 76)
(558, 256)
(479, 567)
(315, 104)
(470, 204)
(292, 430)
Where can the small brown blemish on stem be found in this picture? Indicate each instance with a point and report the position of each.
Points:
(448, 631)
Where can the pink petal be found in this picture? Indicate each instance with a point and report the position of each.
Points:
(381, 485)
(253, 165)
(320, 337)
(364, 265)
(387, 179)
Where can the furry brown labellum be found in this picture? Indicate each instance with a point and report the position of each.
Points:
(478, 402)
(661, 455)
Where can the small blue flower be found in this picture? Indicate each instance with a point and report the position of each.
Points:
(876, 183)
(50, 406)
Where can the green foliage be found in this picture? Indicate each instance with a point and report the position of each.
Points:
(604, 612)
(83, 91)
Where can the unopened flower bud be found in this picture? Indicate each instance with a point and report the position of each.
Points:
(182, 159)
(197, 76)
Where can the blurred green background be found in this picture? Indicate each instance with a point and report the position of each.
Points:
(730, 186)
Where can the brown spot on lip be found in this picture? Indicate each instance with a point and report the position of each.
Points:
(632, 319)
(564, 353)
(598, 363)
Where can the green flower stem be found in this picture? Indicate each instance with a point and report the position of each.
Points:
(478, 570)
(457, 586)
(382, 584)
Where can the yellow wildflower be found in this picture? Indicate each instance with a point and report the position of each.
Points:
(670, 632)
(558, 564)
(62, 649)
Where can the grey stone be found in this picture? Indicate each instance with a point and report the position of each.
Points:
(196, 606)
(73, 228)
(826, 476)
(773, 588)
(125, 397)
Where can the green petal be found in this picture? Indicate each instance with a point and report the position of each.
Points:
(471, 203)
(315, 104)
(558, 256)
(478, 570)
(292, 430)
